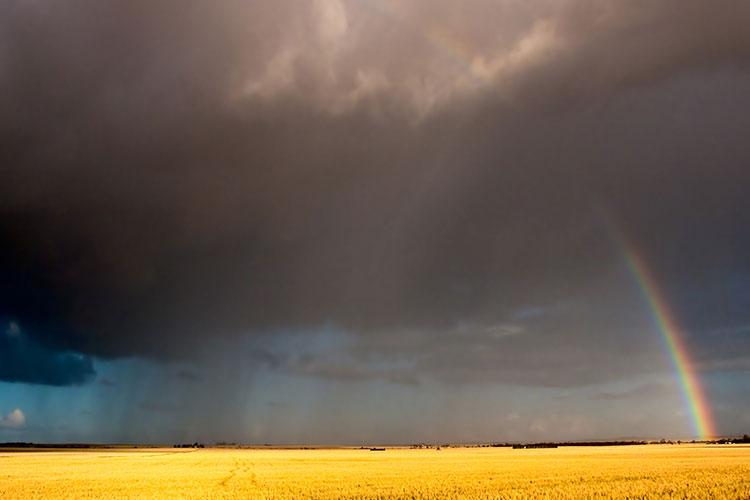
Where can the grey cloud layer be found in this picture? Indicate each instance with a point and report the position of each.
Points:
(24, 360)
(174, 173)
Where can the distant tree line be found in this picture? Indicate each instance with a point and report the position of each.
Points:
(51, 445)
(519, 446)
(744, 439)
(419, 446)
(188, 445)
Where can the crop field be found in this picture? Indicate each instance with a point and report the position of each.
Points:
(653, 471)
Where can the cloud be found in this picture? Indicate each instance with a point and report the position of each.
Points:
(23, 359)
(162, 406)
(189, 376)
(435, 55)
(414, 175)
(13, 329)
(649, 390)
(13, 420)
(350, 370)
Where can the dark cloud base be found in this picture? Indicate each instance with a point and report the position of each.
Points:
(23, 359)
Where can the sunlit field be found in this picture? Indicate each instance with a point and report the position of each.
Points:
(681, 471)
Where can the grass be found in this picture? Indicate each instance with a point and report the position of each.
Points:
(653, 471)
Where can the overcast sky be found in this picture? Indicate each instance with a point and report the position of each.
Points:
(344, 221)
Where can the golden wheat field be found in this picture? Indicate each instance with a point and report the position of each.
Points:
(650, 471)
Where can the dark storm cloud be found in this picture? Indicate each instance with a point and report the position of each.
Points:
(420, 178)
(24, 360)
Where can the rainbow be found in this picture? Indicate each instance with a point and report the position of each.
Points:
(692, 390)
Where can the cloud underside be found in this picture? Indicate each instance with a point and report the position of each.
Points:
(427, 181)
(24, 359)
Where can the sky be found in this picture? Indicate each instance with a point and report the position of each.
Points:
(344, 222)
